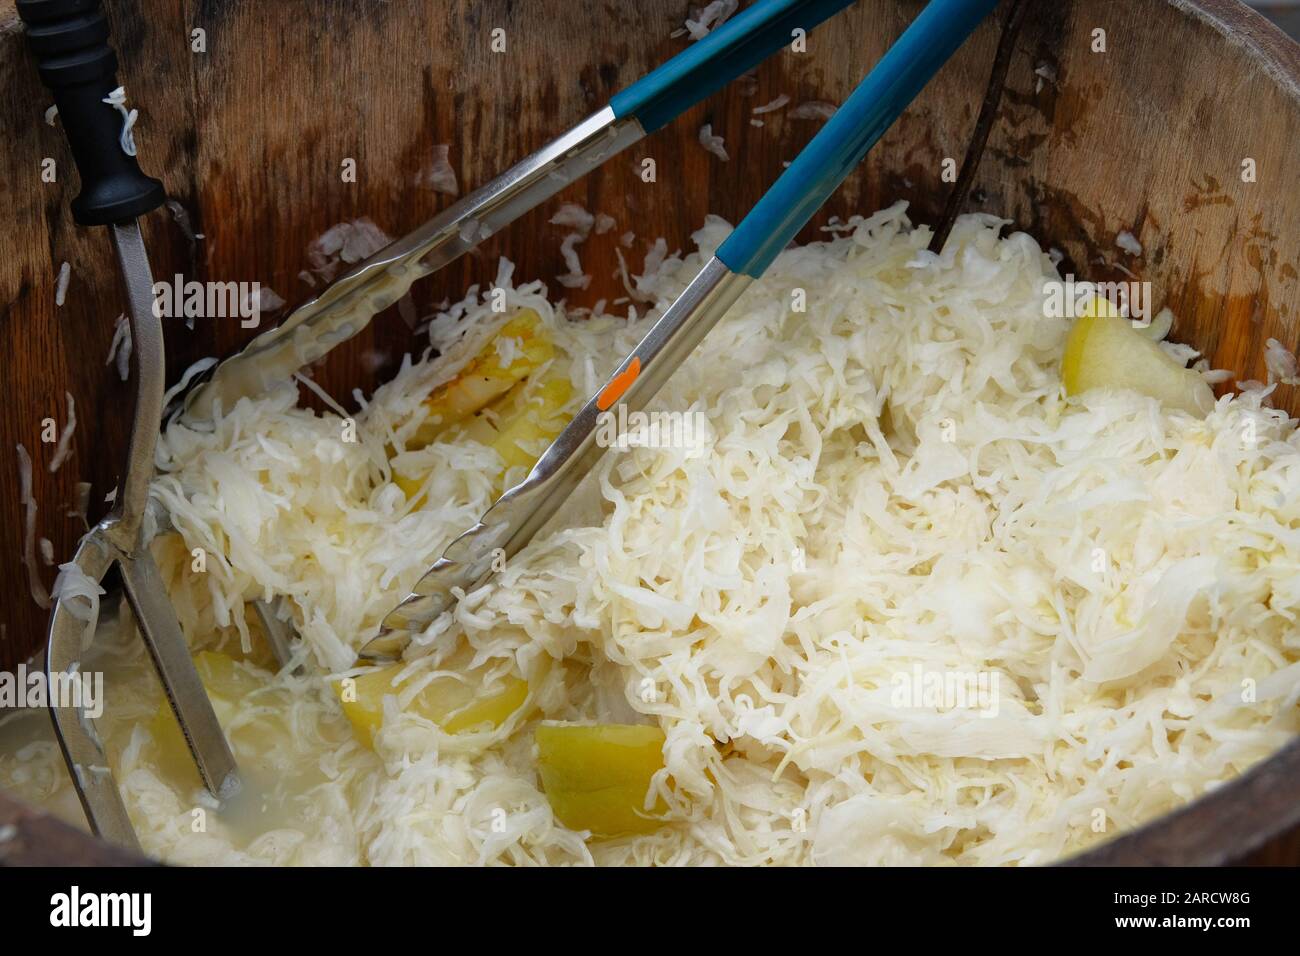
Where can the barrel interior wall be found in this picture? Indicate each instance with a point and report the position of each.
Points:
(1149, 136)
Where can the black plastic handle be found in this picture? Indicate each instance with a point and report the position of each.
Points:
(70, 40)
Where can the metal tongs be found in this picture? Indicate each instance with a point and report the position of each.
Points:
(346, 306)
(344, 309)
(70, 41)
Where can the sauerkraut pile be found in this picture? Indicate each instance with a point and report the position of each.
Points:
(898, 600)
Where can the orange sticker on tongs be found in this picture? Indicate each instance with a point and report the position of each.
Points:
(619, 384)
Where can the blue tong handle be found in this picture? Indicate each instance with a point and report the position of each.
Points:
(738, 45)
(818, 170)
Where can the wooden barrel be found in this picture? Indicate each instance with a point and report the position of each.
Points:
(1173, 120)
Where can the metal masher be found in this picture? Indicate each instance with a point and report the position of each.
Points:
(346, 306)
(70, 41)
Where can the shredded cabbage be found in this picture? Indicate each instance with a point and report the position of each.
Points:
(894, 488)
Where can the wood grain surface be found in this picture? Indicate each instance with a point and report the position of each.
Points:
(1148, 136)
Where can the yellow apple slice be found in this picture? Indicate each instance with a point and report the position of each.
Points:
(596, 777)
(1105, 351)
(522, 437)
(517, 349)
(454, 705)
(524, 427)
